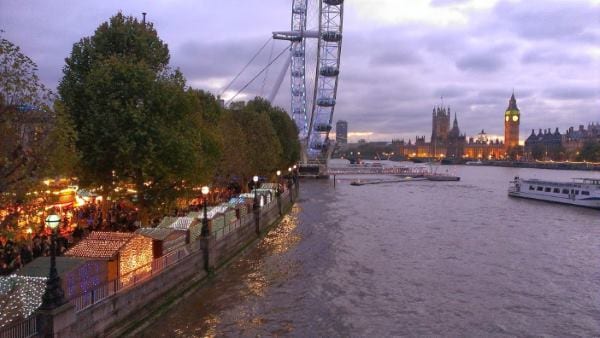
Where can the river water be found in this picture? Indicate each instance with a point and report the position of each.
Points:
(456, 259)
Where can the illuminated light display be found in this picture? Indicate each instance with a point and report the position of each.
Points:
(164, 239)
(132, 251)
(19, 297)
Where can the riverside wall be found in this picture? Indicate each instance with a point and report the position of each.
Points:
(123, 311)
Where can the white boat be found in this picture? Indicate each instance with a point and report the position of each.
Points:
(584, 192)
(478, 162)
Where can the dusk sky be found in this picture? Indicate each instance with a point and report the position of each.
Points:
(398, 56)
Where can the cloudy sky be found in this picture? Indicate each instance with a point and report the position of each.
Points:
(399, 57)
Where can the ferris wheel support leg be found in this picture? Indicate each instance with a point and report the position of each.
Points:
(279, 81)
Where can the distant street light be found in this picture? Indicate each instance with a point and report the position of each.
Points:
(53, 295)
(204, 232)
(278, 180)
(255, 180)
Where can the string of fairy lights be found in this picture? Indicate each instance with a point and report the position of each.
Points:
(19, 297)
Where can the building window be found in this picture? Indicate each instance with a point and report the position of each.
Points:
(586, 193)
(566, 191)
(540, 188)
(556, 191)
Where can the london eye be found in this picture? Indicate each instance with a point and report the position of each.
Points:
(314, 61)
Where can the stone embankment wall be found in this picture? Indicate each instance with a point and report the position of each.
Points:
(123, 311)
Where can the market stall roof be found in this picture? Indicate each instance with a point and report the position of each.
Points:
(193, 214)
(270, 186)
(166, 222)
(40, 266)
(239, 200)
(182, 223)
(161, 234)
(214, 211)
(99, 244)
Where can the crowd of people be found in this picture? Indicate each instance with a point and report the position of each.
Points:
(14, 256)
(77, 222)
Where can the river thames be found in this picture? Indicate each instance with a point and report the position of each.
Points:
(457, 259)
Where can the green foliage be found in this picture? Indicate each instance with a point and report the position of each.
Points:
(63, 156)
(134, 120)
(590, 151)
(256, 140)
(25, 122)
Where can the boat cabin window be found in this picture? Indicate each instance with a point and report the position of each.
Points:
(566, 191)
(587, 193)
(540, 188)
(556, 191)
(531, 187)
(548, 189)
(576, 192)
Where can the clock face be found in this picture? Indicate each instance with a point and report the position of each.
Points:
(515, 118)
(507, 118)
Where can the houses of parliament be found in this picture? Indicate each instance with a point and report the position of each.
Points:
(450, 143)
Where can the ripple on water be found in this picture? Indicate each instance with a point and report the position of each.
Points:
(410, 259)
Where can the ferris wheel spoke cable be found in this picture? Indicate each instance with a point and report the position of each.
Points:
(246, 66)
(258, 74)
(262, 88)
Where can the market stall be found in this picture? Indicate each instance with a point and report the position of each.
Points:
(125, 252)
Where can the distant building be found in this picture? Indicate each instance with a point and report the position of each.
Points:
(548, 145)
(341, 132)
(440, 125)
(544, 145)
(512, 120)
(451, 144)
(237, 105)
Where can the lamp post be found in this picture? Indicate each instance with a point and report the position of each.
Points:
(296, 181)
(278, 192)
(278, 181)
(290, 185)
(204, 232)
(256, 207)
(53, 295)
(255, 180)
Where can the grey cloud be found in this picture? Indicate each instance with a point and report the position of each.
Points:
(573, 92)
(451, 91)
(395, 58)
(480, 62)
(547, 19)
(446, 2)
(555, 57)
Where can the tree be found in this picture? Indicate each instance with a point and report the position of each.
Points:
(285, 129)
(590, 151)
(134, 120)
(25, 122)
(264, 151)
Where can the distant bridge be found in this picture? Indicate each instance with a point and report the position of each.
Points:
(361, 169)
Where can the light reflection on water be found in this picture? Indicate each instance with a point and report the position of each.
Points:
(411, 259)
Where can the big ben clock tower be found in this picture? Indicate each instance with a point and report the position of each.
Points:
(512, 119)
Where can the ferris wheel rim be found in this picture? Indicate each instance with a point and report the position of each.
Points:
(314, 131)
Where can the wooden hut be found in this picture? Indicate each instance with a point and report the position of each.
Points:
(164, 240)
(125, 253)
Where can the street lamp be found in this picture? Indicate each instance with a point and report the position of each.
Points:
(53, 295)
(255, 180)
(204, 232)
(278, 180)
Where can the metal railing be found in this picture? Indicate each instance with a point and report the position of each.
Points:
(131, 279)
(22, 329)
